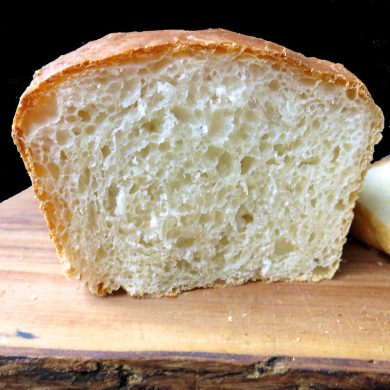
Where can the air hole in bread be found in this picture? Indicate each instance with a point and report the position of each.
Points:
(225, 164)
(62, 137)
(340, 206)
(90, 130)
(182, 113)
(63, 156)
(164, 146)
(76, 131)
(315, 160)
(110, 201)
(185, 242)
(54, 170)
(283, 246)
(320, 271)
(84, 116)
(212, 155)
(336, 153)
(247, 163)
(105, 150)
(274, 85)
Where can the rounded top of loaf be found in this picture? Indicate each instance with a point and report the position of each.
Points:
(117, 48)
(122, 47)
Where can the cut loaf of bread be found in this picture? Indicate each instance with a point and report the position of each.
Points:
(371, 222)
(169, 160)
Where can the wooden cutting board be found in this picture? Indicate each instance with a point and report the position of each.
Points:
(54, 333)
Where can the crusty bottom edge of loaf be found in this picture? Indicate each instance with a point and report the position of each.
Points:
(101, 291)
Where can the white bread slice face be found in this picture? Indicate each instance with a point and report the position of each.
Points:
(371, 222)
(165, 161)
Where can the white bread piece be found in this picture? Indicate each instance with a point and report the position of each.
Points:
(169, 160)
(371, 223)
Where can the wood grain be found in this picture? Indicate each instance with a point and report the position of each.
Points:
(259, 334)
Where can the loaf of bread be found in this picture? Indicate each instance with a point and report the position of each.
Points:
(371, 223)
(169, 160)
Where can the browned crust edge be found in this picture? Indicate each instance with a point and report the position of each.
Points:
(126, 47)
(60, 368)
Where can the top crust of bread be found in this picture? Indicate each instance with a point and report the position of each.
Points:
(120, 48)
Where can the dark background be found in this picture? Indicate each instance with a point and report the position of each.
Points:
(354, 33)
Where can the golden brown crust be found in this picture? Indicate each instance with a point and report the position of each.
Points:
(126, 47)
(122, 47)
